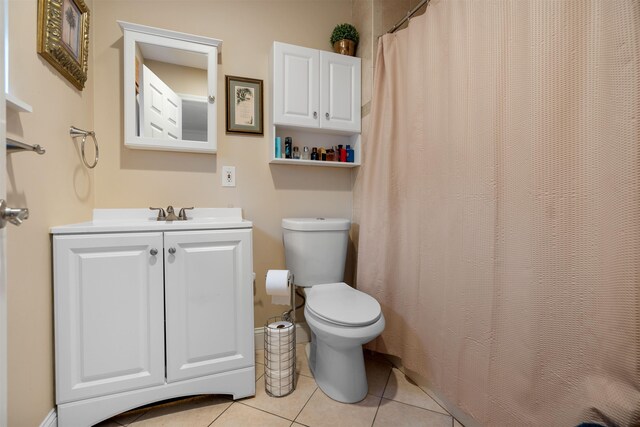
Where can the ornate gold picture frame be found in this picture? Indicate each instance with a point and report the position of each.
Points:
(63, 37)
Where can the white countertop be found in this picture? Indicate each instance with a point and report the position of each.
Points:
(135, 220)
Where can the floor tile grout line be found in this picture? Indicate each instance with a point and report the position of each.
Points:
(306, 403)
(220, 414)
(266, 412)
(393, 366)
(419, 407)
(382, 397)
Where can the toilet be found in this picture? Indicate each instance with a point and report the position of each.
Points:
(340, 317)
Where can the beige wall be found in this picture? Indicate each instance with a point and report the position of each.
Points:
(57, 189)
(154, 178)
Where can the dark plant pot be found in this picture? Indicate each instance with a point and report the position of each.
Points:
(345, 47)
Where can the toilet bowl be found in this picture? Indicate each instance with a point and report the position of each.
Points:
(341, 320)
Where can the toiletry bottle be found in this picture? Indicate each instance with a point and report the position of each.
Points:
(287, 147)
(278, 147)
(343, 153)
(349, 154)
(331, 155)
(296, 153)
(305, 153)
(314, 153)
(322, 153)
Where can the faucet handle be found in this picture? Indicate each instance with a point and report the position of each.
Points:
(161, 213)
(183, 214)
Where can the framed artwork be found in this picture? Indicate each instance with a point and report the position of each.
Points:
(63, 37)
(244, 105)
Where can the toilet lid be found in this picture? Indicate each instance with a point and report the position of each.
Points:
(341, 304)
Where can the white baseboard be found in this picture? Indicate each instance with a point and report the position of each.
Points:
(303, 335)
(51, 420)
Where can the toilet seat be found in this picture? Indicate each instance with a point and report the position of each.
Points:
(342, 305)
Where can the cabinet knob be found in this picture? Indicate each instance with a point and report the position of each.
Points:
(153, 252)
(172, 251)
(327, 115)
(315, 114)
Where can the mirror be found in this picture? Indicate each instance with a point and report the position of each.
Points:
(170, 89)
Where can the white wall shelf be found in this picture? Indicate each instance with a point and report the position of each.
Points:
(315, 100)
(314, 138)
(17, 104)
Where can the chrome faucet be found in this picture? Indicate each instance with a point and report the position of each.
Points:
(171, 215)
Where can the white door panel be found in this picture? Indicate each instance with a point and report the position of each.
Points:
(108, 313)
(161, 108)
(296, 85)
(3, 233)
(208, 294)
(340, 92)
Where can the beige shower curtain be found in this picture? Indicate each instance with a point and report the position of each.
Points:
(500, 207)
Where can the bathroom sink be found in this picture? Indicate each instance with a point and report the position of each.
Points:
(110, 220)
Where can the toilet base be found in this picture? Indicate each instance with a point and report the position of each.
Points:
(340, 373)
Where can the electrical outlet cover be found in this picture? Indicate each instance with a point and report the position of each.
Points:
(228, 176)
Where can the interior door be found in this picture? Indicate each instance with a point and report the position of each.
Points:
(340, 92)
(161, 108)
(295, 85)
(208, 302)
(3, 233)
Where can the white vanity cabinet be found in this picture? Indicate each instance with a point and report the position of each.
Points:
(142, 316)
(316, 89)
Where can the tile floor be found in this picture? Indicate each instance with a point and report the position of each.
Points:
(393, 400)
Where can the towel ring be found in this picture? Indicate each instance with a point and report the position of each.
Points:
(95, 144)
(75, 132)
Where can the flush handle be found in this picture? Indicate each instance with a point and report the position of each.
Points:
(14, 215)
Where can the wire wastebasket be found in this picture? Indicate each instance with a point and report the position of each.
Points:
(279, 356)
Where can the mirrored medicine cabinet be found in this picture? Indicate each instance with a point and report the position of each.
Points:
(170, 89)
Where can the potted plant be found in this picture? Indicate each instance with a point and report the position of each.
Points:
(344, 39)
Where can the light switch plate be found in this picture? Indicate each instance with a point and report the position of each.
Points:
(228, 176)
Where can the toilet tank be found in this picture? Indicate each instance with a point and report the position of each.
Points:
(315, 249)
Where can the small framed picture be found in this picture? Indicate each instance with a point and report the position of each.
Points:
(63, 37)
(244, 105)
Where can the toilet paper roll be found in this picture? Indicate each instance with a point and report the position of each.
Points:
(278, 286)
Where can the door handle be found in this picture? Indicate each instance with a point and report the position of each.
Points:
(315, 114)
(14, 215)
(153, 252)
(326, 115)
(172, 251)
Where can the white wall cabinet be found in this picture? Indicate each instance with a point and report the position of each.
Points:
(118, 294)
(315, 91)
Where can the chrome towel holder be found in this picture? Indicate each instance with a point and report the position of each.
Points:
(76, 132)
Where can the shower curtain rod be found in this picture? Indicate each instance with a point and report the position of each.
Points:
(406, 18)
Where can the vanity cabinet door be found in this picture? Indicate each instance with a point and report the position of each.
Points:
(108, 299)
(340, 92)
(295, 85)
(209, 302)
